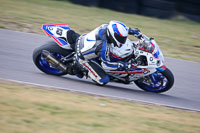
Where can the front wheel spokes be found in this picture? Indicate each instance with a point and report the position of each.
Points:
(147, 81)
(156, 80)
(164, 82)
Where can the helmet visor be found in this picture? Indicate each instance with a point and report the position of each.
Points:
(119, 38)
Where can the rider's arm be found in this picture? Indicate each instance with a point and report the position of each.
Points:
(106, 63)
(135, 32)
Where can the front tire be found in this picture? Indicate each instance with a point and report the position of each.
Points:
(157, 82)
(42, 64)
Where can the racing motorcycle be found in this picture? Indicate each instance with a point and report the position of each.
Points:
(147, 69)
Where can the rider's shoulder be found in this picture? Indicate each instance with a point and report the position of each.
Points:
(100, 32)
(103, 26)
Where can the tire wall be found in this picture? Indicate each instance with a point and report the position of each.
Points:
(163, 9)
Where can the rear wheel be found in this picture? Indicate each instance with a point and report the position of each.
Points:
(45, 66)
(157, 82)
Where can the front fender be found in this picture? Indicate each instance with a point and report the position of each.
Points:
(162, 68)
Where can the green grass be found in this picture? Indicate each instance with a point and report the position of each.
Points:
(179, 39)
(2, 27)
(30, 109)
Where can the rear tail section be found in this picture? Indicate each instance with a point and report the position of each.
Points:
(58, 33)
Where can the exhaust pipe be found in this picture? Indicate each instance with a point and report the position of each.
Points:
(51, 59)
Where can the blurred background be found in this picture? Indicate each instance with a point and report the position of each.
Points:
(155, 8)
(173, 23)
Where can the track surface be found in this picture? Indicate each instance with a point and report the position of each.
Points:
(16, 63)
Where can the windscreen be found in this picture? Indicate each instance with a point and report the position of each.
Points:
(146, 46)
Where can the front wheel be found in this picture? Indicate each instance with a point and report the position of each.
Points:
(157, 82)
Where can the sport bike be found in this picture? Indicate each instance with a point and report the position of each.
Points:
(146, 62)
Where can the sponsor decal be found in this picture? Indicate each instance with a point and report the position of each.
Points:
(50, 28)
(89, 40)
(151, 59)
(145, 72)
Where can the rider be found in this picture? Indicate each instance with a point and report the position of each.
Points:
(99, 44)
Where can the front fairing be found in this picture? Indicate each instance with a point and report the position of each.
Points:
(149, 53)
(157, 54)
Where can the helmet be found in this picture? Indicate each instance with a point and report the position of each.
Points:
(117, 33)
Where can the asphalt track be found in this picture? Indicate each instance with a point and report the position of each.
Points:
(16, 64)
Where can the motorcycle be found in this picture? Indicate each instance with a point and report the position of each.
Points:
(147, 69)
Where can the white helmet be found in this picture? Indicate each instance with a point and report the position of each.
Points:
(117, 33)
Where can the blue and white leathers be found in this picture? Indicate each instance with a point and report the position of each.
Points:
(94, 46)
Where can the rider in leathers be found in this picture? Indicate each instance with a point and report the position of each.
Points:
(95, 49)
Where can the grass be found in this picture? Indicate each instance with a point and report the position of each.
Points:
(30, 109)
(179, 39)
(2, 27)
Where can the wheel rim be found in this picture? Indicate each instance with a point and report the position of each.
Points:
(155, 82)
(48, 67)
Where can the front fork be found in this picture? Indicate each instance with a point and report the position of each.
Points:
(154, 77)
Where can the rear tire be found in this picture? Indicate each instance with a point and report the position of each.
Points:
(52, 47)
(163, 87)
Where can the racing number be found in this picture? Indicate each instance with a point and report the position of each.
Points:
(59, 32)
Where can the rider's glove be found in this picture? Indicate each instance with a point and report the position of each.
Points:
(124, 66)
(136, 32)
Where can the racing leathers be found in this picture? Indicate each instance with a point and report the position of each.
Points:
(95, 53)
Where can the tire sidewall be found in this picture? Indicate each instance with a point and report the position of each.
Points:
(170, 77)
(51, 47)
